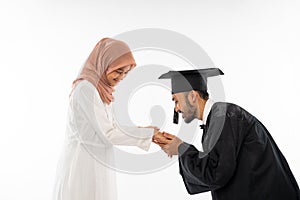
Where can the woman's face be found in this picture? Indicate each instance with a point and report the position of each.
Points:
(116, 76)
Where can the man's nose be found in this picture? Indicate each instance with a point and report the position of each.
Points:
(177, 108)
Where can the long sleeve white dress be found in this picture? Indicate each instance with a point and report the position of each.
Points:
(84, 171)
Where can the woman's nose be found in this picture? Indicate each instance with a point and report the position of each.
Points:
(122, 76)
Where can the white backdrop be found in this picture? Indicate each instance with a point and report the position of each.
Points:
(44, 43)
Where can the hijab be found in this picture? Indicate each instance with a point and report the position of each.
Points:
(107, 56)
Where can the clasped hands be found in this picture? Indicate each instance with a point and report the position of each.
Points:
(168, 142)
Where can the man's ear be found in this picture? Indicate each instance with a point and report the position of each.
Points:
(193, 96)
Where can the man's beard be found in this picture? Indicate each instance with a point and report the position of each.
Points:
(191, 117)
(190, 111)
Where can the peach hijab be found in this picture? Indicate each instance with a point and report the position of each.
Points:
(107, 56)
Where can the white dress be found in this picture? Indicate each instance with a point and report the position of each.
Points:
(83, 172)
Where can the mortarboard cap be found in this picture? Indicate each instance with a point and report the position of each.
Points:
(187, 80)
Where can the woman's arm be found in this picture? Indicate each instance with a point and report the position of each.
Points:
(94, 110)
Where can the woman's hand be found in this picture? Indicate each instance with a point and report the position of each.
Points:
(156, 133)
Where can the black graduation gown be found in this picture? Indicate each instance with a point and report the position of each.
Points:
(240, 160)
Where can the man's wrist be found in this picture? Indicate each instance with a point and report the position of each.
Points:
(182, 148)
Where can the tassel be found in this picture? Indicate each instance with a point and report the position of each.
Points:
(175, 117)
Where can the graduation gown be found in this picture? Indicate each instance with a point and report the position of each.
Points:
(240, 160)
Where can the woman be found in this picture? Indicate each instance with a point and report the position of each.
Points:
(84, 172)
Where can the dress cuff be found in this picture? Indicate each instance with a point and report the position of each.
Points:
(145, 143)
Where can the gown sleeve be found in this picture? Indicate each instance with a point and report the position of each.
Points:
(94, 110)
(213, 168)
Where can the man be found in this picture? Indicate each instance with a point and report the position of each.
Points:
(240, 160)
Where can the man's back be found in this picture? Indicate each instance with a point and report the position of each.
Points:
(261, 171)
(240, 160)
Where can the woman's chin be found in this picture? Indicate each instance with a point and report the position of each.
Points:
(114, 83)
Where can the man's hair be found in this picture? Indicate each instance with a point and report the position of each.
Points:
(203, 94)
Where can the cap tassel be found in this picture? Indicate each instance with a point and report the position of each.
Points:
(175, 117)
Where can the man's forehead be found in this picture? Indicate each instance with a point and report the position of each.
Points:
(178, 95)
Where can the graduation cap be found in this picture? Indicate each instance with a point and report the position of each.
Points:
(187, 80)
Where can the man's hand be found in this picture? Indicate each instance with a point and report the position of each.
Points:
(172, 147)
(159, 139)
(169, 143)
